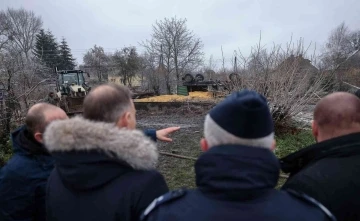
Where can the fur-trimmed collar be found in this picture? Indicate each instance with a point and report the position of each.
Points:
(79, 134)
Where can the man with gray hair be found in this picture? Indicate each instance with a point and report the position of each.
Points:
(238, 172)
(105, 168)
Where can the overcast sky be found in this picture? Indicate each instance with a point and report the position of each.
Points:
(232, 24)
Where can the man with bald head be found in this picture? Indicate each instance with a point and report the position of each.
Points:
(23, 179)
(105, 167)
(328, 170)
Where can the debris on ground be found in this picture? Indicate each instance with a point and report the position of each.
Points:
(193, 96)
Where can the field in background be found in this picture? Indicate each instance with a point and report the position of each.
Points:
(180, 172)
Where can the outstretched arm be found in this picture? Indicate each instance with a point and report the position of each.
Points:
(161, 134)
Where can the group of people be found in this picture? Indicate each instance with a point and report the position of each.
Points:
(98, 166)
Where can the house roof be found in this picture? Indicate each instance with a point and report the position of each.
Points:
(301, 63)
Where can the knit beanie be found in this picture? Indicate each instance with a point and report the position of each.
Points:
(242, 118)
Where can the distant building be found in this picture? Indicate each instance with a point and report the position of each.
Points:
(298, 64)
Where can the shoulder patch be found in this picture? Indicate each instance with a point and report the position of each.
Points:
(312, 201)
(167, 197)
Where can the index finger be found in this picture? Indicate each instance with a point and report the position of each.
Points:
(172, 129)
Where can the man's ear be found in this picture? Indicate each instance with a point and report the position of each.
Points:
(38, 137)
(315, 129)
(204, 145)
(273, 146)
(124, 120)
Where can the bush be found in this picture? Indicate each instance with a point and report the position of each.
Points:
(284, 76)
(5, 151)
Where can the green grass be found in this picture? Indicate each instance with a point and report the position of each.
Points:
(289, 143)
(180, 172)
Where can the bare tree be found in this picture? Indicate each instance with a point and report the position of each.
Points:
(20, 73)
(22, 26)
(153, 73)
(97, 61)
(284, 75)
(210, 68)
(341, 43)
(179, 48)
(340, 53)
(5, 31)
(127, 63)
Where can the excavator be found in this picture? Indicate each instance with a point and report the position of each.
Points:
(71, 90)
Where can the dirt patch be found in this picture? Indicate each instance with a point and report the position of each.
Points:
(177, 172)
(180, 172)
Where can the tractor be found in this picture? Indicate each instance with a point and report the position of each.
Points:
(71, 90)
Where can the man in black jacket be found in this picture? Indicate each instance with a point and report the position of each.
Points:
(105, 168)
(329, 170)
(237, 174)
(23, 179)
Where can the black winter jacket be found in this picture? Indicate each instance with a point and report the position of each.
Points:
(23, 179)
(101, 172)
(234, 183)
(329, 172)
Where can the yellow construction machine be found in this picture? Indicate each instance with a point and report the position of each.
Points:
(71, 90)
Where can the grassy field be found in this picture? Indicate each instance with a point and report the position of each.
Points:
(180, 172)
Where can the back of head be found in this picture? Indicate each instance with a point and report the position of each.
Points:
(107, 102)
(337, 114)
(243, 118)
(40, 115)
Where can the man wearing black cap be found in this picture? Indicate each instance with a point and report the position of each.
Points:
(238, 172)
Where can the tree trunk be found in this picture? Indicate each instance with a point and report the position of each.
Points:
(176, 69)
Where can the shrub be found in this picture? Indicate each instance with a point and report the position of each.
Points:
(5, 151)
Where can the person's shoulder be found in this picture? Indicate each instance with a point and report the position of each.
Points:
(20, 167)
(14, 169)
(148, 175)
(142, 180)
(308, 202)
(309, 179)
(165, 199)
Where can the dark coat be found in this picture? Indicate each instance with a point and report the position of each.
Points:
(102, 172)
(151, 133)
(234, 183)
(23, 179)
(329, 172)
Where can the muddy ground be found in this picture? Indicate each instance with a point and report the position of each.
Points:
(180, 172)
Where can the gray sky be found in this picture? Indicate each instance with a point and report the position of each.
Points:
(232, 24)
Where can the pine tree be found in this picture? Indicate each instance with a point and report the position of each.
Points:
(46, 48)
(40, 44)
(66, 58)
(53, 58)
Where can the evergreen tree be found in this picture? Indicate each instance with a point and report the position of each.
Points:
(40, 44)
(46, 48)
(53, 58)
(67, 62)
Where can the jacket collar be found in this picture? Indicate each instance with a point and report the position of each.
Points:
(25, 143)
(236, 172)
(343, 146)
(80, 135)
